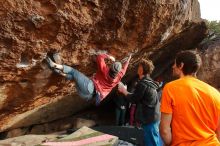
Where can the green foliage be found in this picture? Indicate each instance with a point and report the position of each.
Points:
(213, 26)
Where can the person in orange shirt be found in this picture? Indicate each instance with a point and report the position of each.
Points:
(190, 108)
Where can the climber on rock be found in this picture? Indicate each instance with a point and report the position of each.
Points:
(98, 86)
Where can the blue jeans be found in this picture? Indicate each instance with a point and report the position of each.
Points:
(151, 134)
(84, 85)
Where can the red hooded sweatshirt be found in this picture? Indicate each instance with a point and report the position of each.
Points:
(102, 81)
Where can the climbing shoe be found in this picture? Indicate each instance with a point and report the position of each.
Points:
(57, 58)
(50, 62)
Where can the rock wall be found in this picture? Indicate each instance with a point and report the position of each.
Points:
(31, 94)
(210, 71)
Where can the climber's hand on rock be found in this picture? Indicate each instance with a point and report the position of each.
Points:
(130, 55)
(111, 58)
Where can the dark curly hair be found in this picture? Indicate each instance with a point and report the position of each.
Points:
(191, 60)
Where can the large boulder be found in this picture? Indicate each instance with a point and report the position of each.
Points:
(210, 70)
(30, 93)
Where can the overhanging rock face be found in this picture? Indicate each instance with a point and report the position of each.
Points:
(31, 94)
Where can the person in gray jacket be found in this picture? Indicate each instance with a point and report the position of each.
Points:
(148, 106)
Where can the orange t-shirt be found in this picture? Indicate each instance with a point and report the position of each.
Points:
(195, 109)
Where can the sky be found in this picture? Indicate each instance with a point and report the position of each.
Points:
(210, 9)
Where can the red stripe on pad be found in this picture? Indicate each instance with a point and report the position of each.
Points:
(80, 142)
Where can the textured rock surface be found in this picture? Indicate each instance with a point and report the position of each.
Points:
(31, 94)
(28, 140)
(210, 71)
